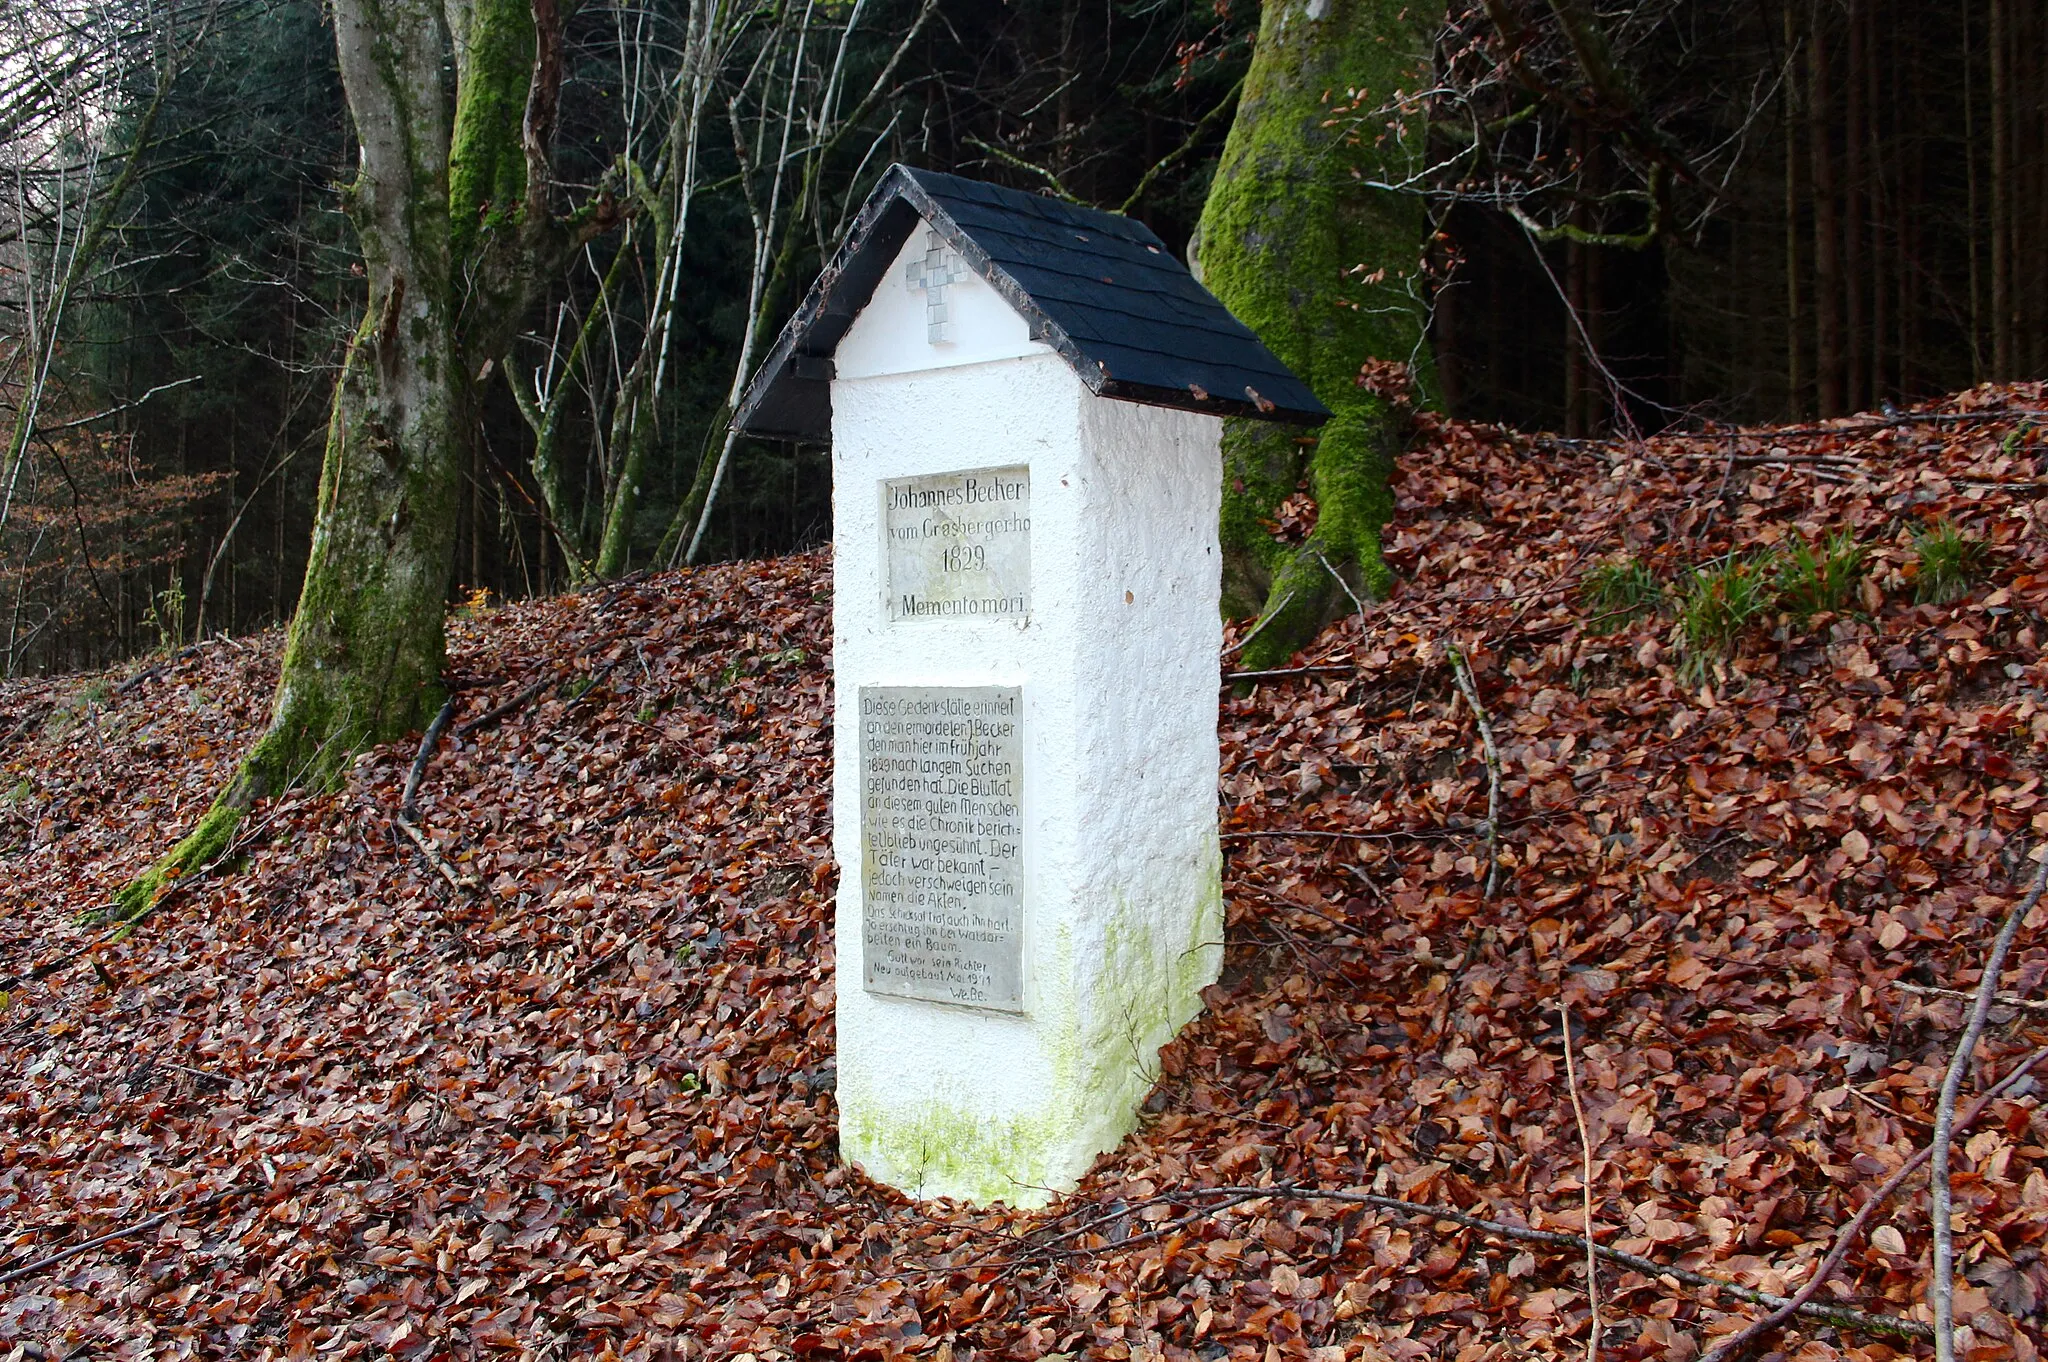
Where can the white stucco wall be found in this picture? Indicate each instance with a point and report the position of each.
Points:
(1117, 666)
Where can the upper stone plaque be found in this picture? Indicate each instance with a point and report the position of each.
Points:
(958, 545)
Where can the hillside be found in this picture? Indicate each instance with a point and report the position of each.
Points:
(579, 1103)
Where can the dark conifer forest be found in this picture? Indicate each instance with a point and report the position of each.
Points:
(1519, 834)
(1644, 215)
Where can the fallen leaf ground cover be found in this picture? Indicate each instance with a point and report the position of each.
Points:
(581, 1105)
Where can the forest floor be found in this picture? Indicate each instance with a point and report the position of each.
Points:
(580, 1103)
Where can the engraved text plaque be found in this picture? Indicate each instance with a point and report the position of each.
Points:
(942, 841)
(958, 545)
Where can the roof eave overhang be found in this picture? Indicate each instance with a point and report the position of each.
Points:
(781, 403)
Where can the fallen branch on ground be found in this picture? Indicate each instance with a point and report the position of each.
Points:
(1841, 1316)
(407, 802)
(157, 669)
(139, 1227)
(123, 926)
(655, 925)
(1396, 834)
(432, 856)
(29, 719)
(527, 696)
(499, 711)
(1942, 1289)
(1468, 688)
(1272, 672)
(1571, 1078)
(1422, 834)
(1345, 587)
(1267, 619)
(2002, 1000)
(1811, 432)
(1846, 1237)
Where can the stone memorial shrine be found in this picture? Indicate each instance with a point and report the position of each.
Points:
(1024, 402)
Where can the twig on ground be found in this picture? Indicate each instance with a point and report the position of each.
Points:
(596, 678)
(139, 1227)
(1571, 1079)
(408, 806)
(1270, 673)
(1846, 1237)
(1556, 580)
(1830, 460)
(432, 856)
(1470, 690)
(203, 1075)
(1720, 497)
(1818, 431)
(33, 715)
(1887, 1108)
(655, 925)
(500, 710)
(1269, 617)
(527, 696)
(1943, 1285)
(1346, 588)
(157, 669)
(121, 928)
(2002, 1000)
(1841, 1316)
(1393, 835)
(1397, 835)
(1290, 906)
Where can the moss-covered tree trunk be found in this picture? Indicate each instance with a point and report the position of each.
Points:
(449, 207)
(1326, 269)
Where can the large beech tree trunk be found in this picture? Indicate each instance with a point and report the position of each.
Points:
(362, 663)
(450, 207)
(1326, 271)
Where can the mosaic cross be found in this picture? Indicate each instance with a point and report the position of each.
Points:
(932, 271)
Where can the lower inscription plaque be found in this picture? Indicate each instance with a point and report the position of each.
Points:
(942, 835)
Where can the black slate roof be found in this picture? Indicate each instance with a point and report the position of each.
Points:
(1097, 287)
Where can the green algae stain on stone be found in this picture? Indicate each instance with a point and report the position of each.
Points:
(1102, 1058)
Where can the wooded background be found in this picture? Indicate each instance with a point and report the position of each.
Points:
(1647, 214)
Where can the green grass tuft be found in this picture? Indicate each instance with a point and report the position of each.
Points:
(1621, 592)
(1820, 578)
(1947, 562)
(1717, 602)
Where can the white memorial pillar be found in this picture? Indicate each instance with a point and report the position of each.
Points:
(1024, 401)
(1025, 643)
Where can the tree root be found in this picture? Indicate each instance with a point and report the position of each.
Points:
(208, 845)
(199, 850)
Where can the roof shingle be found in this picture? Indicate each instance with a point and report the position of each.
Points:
(1097, 287)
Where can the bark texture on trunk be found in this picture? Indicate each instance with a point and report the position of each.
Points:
(1830, 392)
(1327, 272)
(362, 662)
(2001, 190)
(447, 281)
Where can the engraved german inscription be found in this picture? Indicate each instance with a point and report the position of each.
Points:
(942, 837)
(958, 545)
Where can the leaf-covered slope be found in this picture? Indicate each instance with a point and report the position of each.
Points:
(587, 1105)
